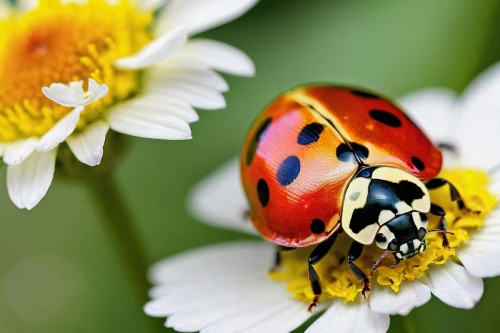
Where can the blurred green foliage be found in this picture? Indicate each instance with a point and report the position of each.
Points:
(58, 270)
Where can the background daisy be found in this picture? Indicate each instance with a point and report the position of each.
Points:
(143, 81)
(239, 293)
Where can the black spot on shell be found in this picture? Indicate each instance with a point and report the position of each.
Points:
(259, 136)
(263, 192)
(310, 134)
(288, 171)
(364, 94)
(417, 162)
(345, 154)
(361, 151)
(317, 226)
(385, 118)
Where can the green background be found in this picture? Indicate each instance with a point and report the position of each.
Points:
(58, 268)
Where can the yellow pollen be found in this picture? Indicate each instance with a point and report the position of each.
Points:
(65, 43)
(337, 279)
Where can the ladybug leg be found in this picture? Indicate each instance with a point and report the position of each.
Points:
(316, 255)
(438, 211)
(354, 253)
(277, 258)
(454, 194)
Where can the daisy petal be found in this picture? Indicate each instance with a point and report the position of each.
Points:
(18, 151)
(433, 110)
(87, 146)
(453, 285)
(65, 95)
(199, 95)
(156, 51)
(481, 255)
(166, 105)
(29, 181)
(219, 200)
(201, 15)
(96, 92)
(352, 317)
(219, 56)
(223, 288)
(478, 124)
(412, 294)
(173, 72)
(60, 131)
(152, 123)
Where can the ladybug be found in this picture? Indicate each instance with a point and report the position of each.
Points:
(322, 159)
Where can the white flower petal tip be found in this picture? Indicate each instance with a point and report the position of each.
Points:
(411, 294)
(153, 123)
(433, 110)
(453, 285)
(17, 152)
(72, 95)
(223, 288)
(481, 255)
(88, 145)
(28, 182)
(352, 317)
(156, 51)
(60, 131)
(219, 200)
(477, 126)
(219, 56)
(201, 15)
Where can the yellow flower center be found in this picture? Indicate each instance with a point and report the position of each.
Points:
(64, 43)
(336, 277)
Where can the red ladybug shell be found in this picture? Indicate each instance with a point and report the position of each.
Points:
(306, 146)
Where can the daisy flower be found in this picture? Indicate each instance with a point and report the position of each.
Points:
(72, 70)
(228, 287)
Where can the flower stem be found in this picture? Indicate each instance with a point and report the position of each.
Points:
(116, 218)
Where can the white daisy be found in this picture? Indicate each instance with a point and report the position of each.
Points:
(227, 288)
(142, 73)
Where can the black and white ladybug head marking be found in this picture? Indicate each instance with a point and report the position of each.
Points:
(387, 205)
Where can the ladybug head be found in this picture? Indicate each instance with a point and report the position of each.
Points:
(387, 205)
(404, 235)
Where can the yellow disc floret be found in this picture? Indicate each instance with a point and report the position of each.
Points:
(336, 277)
(63, 43)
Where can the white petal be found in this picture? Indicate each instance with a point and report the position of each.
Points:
(353, 317)
(219, 200)
(173, 72)
(18, 151)
(481, 255)
(150, 5)
(412, 294)
(164, 105)
(87, 146)
(152, 123)
(61, 130)
(224, 288)
(65, 95)
(201, 15)
(478, 124)
(96, 92)
(156, 51)
(29, 181)
(434, 110)
(219, 56)
(197, 94)
(453, 285)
